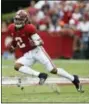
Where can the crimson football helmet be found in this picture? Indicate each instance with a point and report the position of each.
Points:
(21, 18)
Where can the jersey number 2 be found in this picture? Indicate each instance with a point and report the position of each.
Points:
(20, 42)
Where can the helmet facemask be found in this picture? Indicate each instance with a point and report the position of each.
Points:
(20, 19)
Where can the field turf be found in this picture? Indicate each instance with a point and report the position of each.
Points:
(43, 93)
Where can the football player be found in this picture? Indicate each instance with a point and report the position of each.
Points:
(25, 37)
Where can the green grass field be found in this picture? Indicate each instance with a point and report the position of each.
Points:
(43, 93)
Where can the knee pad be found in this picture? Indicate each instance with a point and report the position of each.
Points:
(16, 68)
(54, 71)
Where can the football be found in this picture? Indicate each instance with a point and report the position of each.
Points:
(8, 41)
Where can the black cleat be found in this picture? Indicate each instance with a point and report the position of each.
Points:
(43, 77)
(77, 84)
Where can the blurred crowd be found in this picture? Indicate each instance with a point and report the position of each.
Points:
(60, 15)
(55, 14)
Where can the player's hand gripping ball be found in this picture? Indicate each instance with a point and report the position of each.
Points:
(8, 41)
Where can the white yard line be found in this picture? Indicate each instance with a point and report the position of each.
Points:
(34, 81)
(72, 61)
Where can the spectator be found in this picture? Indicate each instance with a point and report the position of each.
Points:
(55, 28)
(67, 15)
(76, 15)
(83, 26)
(32, 10)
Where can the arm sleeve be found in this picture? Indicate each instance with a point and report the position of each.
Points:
(36, 39)
(10, 31)
(31, 29)
(34, 36)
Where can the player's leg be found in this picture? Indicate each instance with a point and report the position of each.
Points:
(22, 65)
(73, 78)
(44, 58)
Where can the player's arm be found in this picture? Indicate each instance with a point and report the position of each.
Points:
(12, 47)
(9, 41)
(10, 44)
(37, 41)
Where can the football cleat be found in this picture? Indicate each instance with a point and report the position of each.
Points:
(43, 77)
(77, 84)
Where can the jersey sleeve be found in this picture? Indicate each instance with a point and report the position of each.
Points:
(31, 29)
(10, 31)
(34, 36)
